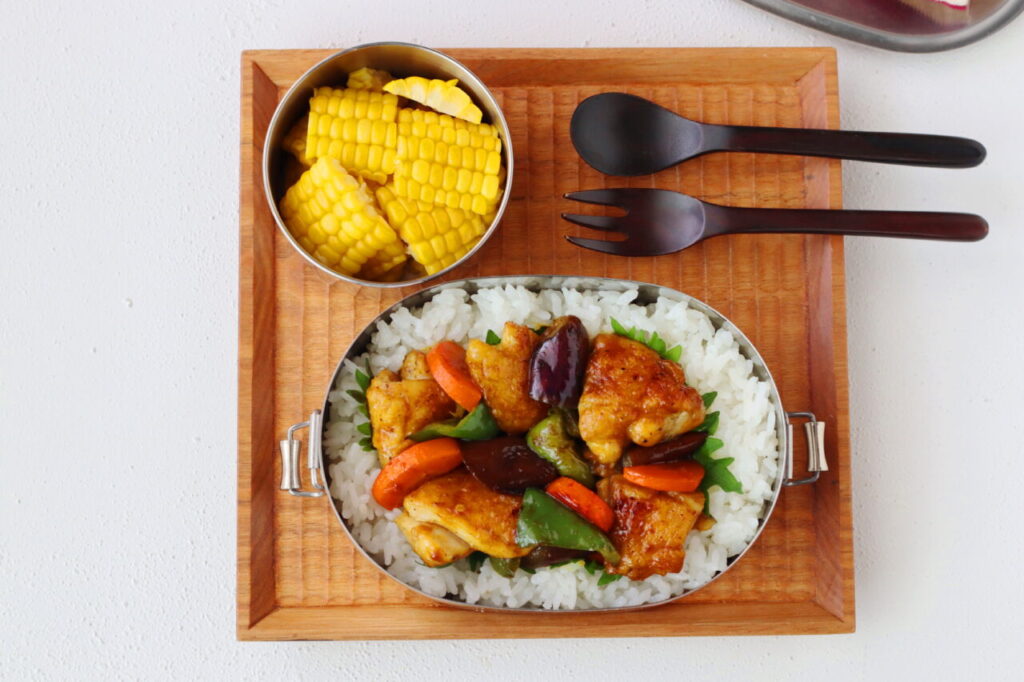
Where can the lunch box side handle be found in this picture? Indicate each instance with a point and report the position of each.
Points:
(291, 478)
(816, 463)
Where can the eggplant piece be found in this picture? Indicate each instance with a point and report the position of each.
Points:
(559, 362)
(507, 465)
(548, 556)
(673, 450)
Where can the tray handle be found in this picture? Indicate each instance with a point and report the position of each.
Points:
(816, 463)
(291, 478)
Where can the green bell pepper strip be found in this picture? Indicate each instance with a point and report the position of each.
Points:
(545, 521)
(477, 425)
(549, 440)
(504, 567)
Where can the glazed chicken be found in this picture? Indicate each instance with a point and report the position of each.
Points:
(480, 517)
(502, 373)
(402, 405)
(435, 545)
(632, 393)
(650, 527)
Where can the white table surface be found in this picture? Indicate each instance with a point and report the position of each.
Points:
(118, 325)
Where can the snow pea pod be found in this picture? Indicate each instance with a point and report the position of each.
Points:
(545, 521)
(477, 425)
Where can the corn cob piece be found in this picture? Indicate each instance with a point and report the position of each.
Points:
(356, 127)
(369, 79)
(447, 161)
(295, 141)
(437, 235)
(445, 97)
(333, 217)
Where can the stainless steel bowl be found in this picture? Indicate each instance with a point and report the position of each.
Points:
(319, 473)
(399, 59)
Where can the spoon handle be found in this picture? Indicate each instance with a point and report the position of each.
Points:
(963, 227)
(940, 151)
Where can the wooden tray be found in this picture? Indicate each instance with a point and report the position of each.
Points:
(298, 575)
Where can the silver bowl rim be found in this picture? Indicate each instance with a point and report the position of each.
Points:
(558, 282)
(500, 123)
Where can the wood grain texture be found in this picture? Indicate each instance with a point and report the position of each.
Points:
(298, 575)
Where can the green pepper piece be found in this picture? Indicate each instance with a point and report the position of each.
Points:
(549, 440)
(545, 521)
(477, 425)
(506, 568)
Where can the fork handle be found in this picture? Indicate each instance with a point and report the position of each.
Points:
(939, 151)
(964, 227)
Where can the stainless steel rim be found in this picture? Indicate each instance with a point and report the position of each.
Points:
(648, 293)
(494, 111)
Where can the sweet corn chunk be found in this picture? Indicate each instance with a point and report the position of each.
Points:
(443, 96)
(465, 174)
(437, 235)
(334, 218)
(356, 127)
(295, 141)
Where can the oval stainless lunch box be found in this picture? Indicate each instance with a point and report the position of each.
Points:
(318, 482)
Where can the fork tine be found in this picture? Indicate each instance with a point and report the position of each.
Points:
(604, 197)
(594, 222)
(597, 245)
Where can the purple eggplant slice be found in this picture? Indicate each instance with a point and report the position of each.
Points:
(558, 363)
(507, 465)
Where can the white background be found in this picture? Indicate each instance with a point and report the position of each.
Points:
(118, 324)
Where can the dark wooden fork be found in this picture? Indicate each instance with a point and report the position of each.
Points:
(659, 221)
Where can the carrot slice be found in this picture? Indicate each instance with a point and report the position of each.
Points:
(581, 500)
(447, 363)
(413, 467)
(680, 477)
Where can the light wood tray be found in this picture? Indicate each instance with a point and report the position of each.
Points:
(299, 576)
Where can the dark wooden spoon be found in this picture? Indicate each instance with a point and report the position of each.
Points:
(620, 134)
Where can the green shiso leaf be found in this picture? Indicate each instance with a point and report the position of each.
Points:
(366, 443)
(716, 471)
(364, 429)
(652, 341)
(709, 398)
(607, 578)
(363, 380)
(492, 338)
(358, 396)
(710, 424)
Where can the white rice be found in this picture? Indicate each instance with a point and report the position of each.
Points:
(711, 360)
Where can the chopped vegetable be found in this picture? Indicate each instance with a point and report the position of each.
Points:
(716, 471)
(607, 578)
(543, 556)
(583, 501)
(448, 162)
(477, 425)
(673, 450)
(334, 219)
(492, 339)
(550, 439)
(437, 235)
(445, 97)
(710, 423)
(476, 560)
(447, 362)
(356, 127)
(412, 467)
(709, 398)
(507, 465)
(545, 521)
(559, 362)
(504, 567)
(682, 477)
(654, 342)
